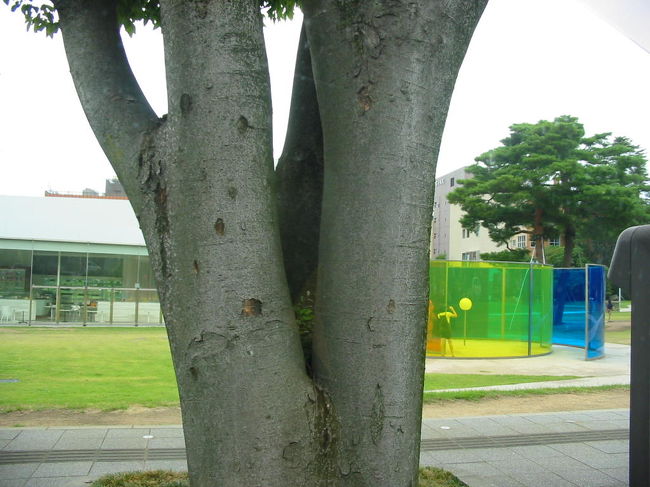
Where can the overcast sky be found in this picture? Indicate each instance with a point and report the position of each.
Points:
(528, 60)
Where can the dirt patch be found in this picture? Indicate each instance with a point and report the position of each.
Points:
(618, 325)
(531, 404)
(451, 409)
(92, 417)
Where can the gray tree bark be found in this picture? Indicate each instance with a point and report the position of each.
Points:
(202, 185)
(384, 75)
(300, 179)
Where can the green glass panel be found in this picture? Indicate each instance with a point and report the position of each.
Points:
(485, 309)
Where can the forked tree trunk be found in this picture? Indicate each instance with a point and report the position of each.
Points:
(202, 185)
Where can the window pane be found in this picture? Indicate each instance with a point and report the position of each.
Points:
(45, 268)
(73, 269)
(105, 270)
(147, 280)
(15, 273)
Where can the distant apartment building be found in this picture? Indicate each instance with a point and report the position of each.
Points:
(449, 240)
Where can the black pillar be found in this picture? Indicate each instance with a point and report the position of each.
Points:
(630, 270)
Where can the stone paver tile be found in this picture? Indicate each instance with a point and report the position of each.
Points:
(429, 433)
(605, 425)
(175, 465)
(457, 456)
(548, 479)
(496, 481)
(59, 482)
(565, 427)
(8, 433)
(85, 433)
(102, 468)
(428, 459)
(610, 446)
(12, 482)
(522, 466)
(17, 470)
(78, 444)
(167, 432)
(608, 460)
(473, 469)
(620, 473)
(493, 454)
(488, 427)
(533, 452)
(63, 469)
(166, 443)
(127, 432)
(461, 431)
(607, 414)
(576, 450)
(124, 443)
(34, 440)
(560, 463)
(571, 417)
(589, 478)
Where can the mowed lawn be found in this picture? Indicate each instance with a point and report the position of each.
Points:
(114, 368)
(105, 368)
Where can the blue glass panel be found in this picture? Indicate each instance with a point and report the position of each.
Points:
(569, 307)
(595, 312)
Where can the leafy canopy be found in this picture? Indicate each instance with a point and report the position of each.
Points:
(549, 180)
(43, 17)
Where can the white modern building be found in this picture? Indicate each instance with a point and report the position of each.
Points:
(74, 260)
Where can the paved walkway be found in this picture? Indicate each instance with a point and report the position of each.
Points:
(580, 448)
(561, 449)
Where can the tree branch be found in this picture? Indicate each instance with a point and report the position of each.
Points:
(115, 106)
(300, 179)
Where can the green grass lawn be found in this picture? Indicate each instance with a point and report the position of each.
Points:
(433, 397)
(114, 368)
(434, 382)
(621, 316)
(623, 337)
(105, 368)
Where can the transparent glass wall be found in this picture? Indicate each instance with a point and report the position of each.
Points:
(15, 276)
(489, 309)
(579, 309)
(76, 287)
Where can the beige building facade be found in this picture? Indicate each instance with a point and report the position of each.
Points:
(449, 240)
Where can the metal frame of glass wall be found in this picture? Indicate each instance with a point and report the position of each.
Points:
(68, 283)
(579, 308)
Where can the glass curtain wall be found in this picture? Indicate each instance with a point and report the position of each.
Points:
(579, 309)
(489, 309)
(75, 287)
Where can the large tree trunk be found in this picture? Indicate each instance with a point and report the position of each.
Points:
(538, 236)
(569, 245)
(384, 75)
(201, 187)
(201, 183)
